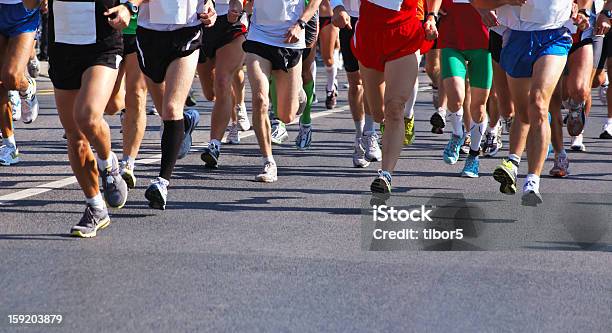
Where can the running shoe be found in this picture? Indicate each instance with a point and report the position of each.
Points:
(500, 141)
(506, 174)
(9, 155)
(359, 159)
(34, 67)
(269, 174)
(508, 124)
(233, 134)
(606, 132)
(210, 156)
(126, 172)
(576, 119)
(304, 137)
(371, 147)
(15, 103)
(330, 100)
(531, 195)
(114, 188)
(603, 94)
(451, 151)
(157, 193)
(279, 132)
(561, 167)
(243, 117)
(191, 101)
(465, 147)
(408, 131)
(152, 111)
(577, 143)
(471, 167)
(93, 219)
(382, 183)
(192, 118)
(438, 121)
(490, 146)
(29, 103)
(315, 100)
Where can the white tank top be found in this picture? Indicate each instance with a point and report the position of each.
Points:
(170, 15)
(536, 15)
(272, 18)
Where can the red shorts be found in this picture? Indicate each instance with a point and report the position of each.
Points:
(375, 44)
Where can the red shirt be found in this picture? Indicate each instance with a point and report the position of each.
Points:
(462, 28)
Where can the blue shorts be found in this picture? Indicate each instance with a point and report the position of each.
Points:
(16, 20)
(522, 49)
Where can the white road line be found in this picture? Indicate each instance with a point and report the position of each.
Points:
(40, 189)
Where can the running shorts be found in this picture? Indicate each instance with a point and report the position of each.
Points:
(324, 21)
(475, 63)
(599, 59)
(15, 20)
(158, 49)
(219, 35)
(129, 45)
(67, 69)
(522, 49)
(312, 30)
(351, 64)
(495, 45)
(280, 58)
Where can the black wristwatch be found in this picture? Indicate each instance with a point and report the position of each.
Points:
(131, 7)
(435, 16)
(584, 12)
(302, 24)
(607, 13)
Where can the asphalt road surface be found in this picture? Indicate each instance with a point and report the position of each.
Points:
(230, 254)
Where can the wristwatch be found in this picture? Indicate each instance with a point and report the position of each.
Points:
(435, 16)
(131, 7)
(607, 13)
(302, 24)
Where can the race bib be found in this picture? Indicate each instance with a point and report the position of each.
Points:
(389, 4)
(169, 11)
(546, 12)
(275, 11)
(74, 22)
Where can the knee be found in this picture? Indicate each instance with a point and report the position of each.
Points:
(76, 140)
(286, 118)
(581, 94)
(86, 121)
(223, 81)
(394, 109)
(10, 79)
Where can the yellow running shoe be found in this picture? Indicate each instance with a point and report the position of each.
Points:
(409, 131)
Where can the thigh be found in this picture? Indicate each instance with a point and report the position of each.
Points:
(519, 92)
(400, 76)
(374, 87)
(65, 101)
(328, 37)
(480, 69)
(546, 74)
(580, 66)
(134, 78)
(18, 51)
(288, 84)
(259, 71)
(230, 57)
(179, 79)
(96, 90)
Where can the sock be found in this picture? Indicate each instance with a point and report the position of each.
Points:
(442, 112)
(105, 164)
(359, 127)
(9, 141)
(96, 202)
(492, 130)
(131, 161)
(270, 159)
(309, 89)
(313, 71)
(273, 96)
(515, 159)
(332, 72)
(535, 179)
(456, 119)
(216, 143)
(409, 108)
(368, 126)
(476, 131)
(171, 141)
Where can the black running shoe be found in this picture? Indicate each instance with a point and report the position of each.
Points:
(191, 100)
(114, 187)
(210, 156)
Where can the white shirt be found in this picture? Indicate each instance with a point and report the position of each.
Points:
(222, 7)
(170, 15)
(351, 6)
(536, 15)
(10, 2)
(272, 19)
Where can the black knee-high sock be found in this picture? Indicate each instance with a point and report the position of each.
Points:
(172, 138)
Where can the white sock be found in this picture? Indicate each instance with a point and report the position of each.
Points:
(532, 178)
(359, 127)
(492, 130)
(442, 112)
(96, 202)
(368, 126)
(270, 159)
(107, 163)
(456, 119)
(515, 158)
(409, 108)
(216, 143)
(477, 130)
(9, 141)
(332, 72)
(131, 161)
(313, 71)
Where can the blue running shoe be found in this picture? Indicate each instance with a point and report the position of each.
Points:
(471, 168)
(210, 156)
(451, 152)
(192, 118)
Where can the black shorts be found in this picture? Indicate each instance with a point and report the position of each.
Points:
(312, 30)
(280, 57)
(129, 45)
(219, 35)
(578, 45)
(324, 21)
(158, 49)
(346, 35)
(496, 42)
(67, 70)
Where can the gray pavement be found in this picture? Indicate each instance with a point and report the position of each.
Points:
(230, 254)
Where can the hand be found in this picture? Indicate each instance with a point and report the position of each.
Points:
(341, 18)
(293, 34)
(118, 17)
(209, 16)
(582, 22)
(489, 18)
(235, 11)
(431, 31)
(44, 7)
(602, 26)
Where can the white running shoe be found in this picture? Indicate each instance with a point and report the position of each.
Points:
(359, 159)
(371, 147)
(603, 93)
(243, 117)
(29, 103)
(34, 67)
(9, 155)
(15, 102)
(269, 174)
(233, 135)
(577, 144)
(304, 137)
(279, 132)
